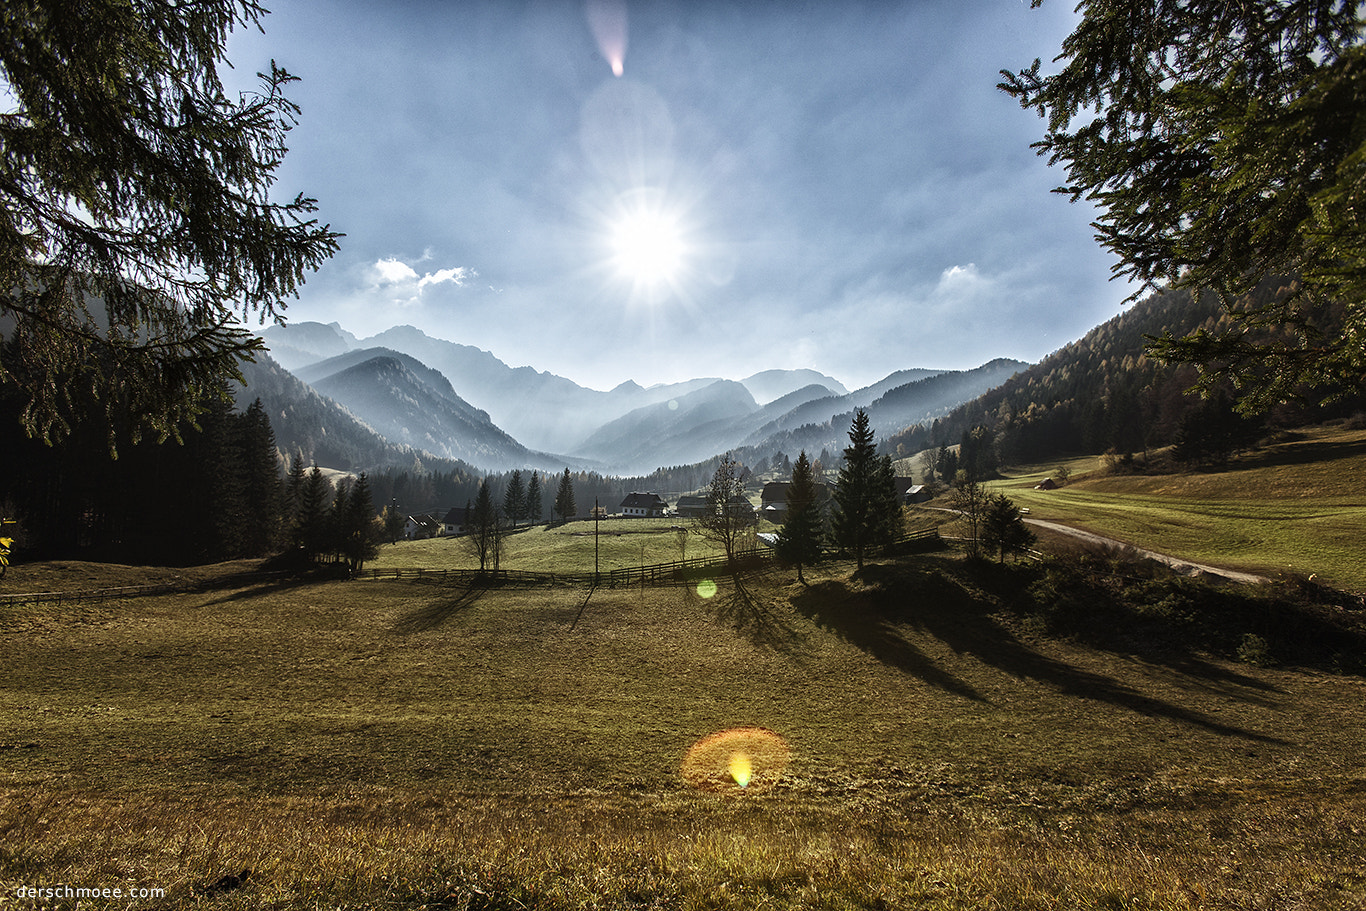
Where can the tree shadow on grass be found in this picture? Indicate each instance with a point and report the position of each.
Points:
(746, 612)
(583, 607)
(1304, 453)
(1143, 610)
(941, 606)
(860, 616)
(260, 590)
(438, 611)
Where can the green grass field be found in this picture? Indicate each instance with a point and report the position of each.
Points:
(401, 745)
(1295, 508)
(569, 548)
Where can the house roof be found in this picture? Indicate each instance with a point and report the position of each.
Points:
(775, 490)
(643, 501)
(458, 515)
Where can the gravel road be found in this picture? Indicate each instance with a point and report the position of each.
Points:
(1182, 566)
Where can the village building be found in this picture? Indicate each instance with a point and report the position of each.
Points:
(692, 506)
(456, 521)
(646, 505)
(421, 527)
(917, 493)
(773, 499)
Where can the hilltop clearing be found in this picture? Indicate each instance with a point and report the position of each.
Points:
(1296, 507)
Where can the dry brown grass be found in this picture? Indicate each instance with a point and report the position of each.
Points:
(387, 745)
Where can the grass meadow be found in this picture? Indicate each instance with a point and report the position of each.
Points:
(382, 744)
(1295, 508)
(569, 548)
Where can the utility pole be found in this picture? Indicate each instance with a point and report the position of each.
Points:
(597, 538)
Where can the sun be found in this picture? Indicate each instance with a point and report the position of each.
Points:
(648, 247)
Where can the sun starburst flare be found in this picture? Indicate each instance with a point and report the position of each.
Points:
(648, 246)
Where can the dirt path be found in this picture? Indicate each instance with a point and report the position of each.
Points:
(1185, 567)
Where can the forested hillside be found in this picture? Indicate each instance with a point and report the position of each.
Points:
(827, 423)
(214, 496)
(1100, 393)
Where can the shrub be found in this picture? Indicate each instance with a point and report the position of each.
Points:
(1254, 650)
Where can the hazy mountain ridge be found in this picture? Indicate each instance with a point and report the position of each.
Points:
(299, 344)
(684, 429)
(916, 402)
(404, 407)
(457, 401)
(540, 409)
(433, 379)
(769, 385)
(308, 423)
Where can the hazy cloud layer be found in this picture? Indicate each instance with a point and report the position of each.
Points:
(851, 191)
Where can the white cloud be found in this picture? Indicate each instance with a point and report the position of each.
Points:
(959, 277)
(458, 276)
(392, 272)
(402, 284)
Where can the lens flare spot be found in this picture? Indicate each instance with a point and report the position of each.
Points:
(741, 768)
(706, 588)
(741, 759)
(607, 20)
(673, 404)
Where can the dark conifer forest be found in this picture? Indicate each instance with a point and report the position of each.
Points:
(214, 496)
(1104, 393)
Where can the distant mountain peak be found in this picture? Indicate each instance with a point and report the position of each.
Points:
(770, 385)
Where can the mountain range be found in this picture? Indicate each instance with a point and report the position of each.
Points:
(402, 395)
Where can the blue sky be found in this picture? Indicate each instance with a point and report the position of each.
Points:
(835, 185)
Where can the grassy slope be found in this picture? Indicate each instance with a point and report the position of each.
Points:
(379, 744)
(1298, 507)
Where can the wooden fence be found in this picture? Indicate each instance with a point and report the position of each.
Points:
(650, 574)
(673, 573)
(132, 591)
(90, 594)
(677, 572)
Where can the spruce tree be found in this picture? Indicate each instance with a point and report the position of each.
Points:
(339, 521)
(799, 541)
(360, 542)
(224, 482)
(1222, 146)
(137, 228)
(868, 510)
(1003, 528)
(534, 508)
(261, 489)
(564, 498)
(514, 498)
(293, 495)
(393, 522)
(312, 522)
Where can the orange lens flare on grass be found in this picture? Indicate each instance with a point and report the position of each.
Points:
(741, 759)
(741, 769)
